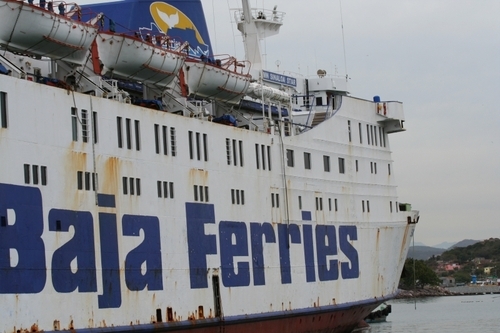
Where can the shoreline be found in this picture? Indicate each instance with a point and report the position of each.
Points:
(436, 291)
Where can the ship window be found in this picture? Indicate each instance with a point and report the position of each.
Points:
(375, 135)
(3, 109)
(357, 166)
(242, 197)
(171, 188)
(383, 135)
(159, 188)
(87, 181)
(79, 180)
(368, 133)
(138, 186)
(360, 133)
(234, 154)
(390, 206)
(341, 165)
(201, 193)
(319, 203)
(396, 206)
(125, 185)
(257, 155)
(137, 135)
(363, 205)
(157, 138)
(198, 152)
(119, 131)
(336, 206)
(205, 147)
(330, 204)
(94, 181)
(74, 124)
(190, 139)
(289, 158)
(165, 139)
(228, 151)
(371, 131)
(26, 173)
(375, 167)
(307, 161)
(389, 169)
(195, 191)
(380, 135)
(241, 152)
(173, 141)
(238, 197)
(269, 157)
(206, 193)
(35, 174)
(319, 101)
(349, 130)
(368, 206)
(300, 202)
(263, 150)
(371, 167)
(132, 186)
(233, 200)
(43, 171)
(94, 127)
(128, 132)
(326, 163)
(85, 130)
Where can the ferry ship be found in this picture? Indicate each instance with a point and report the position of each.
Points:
(150, 185)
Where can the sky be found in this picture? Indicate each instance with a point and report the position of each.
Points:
(441, 58)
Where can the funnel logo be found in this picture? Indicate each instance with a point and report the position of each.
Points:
(170, 19)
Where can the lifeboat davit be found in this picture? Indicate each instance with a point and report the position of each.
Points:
(33, 30)
(220, 79)
(131, 57)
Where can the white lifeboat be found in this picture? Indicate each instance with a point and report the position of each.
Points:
(142, 60)
(33, 30)
(217, 78)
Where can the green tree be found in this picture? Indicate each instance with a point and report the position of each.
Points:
(423, 275)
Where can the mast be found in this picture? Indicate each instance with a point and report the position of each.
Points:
(255, 25)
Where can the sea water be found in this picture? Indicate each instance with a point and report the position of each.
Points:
(478, 313)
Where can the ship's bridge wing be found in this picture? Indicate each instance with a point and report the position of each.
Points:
(391, 115)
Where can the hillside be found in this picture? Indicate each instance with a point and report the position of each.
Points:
(487, 249)
(465, 243)
(423, 252)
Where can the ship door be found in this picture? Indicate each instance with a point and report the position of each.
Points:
(217, 300)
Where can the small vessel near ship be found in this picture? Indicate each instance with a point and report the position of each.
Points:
(149, 184)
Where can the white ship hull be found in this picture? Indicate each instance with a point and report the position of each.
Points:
(30, 29)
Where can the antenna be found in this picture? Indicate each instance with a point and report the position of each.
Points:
(343, 39)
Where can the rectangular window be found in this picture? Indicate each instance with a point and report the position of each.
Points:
(201, 193)
(165, 139)
(171, 190)
(26, 173)
(289, 158)
(74, 124)
(132, 186)
(375, 167)
(375, 135)
(326, 163)
(128, 131)
(341, 165)
(206, 193)
(272, 200)
(119, 131)
(173, 142)
(396, 206)
(195, 191)
(79, 180)
(300, 202)
(330, 204)
(87, 181)
(307, 161)
(357, 166)
(368, 206)
(137, 135)
(390, 206)
(159, 188)
(380, 135)
(125, 185)
(35, 174)
(138, 186)
(241, 152)
(94, 127)
(233, 199)
(371, 167)
(368, 133)
(237, 197)
(269, 157)
(317, 204)
(205, 147)
(349, 129)
(360, 133)
(363, 205)
(228, 151)
(336, 206)
(235, 162)
(190, 142)
(371, 131)
(157, 138)
(3, 109)
(257, 155)
(263, 150)
(242, 197)
(277, 200)
(198, 151)
(165, 189)
(383, 135)
(43, 172)
(85, 126)
(389, 169)
(94, 181)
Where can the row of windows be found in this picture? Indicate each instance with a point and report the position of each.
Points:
(84, 121)
(237, 197)
(3, 109)
(165, 189)
(200, 193)
(195, 141)
(375, 135)
(263, 156)
(34, 174)
(129, 138)
(83, 180)
(234, 152)
(131, 185)
(161, 140)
